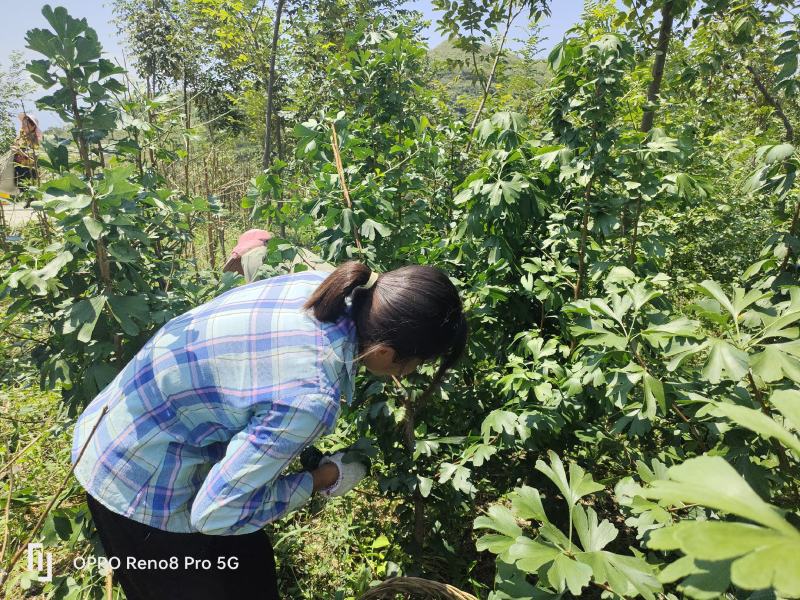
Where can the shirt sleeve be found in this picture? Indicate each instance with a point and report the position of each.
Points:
(245, 489)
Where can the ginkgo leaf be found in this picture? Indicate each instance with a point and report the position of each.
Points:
(757, 421)
(593, 535)
(773, 364)
(499, 518)
(530, 555)
(527, 503)
(567, 573)
(579, 484)
(788, 403)
(725, 362)
(762, 557)
(626, 575)
(711, 481)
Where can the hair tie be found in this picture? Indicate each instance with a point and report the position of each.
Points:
(371, 281)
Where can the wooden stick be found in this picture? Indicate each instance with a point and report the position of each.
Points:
(340, 169)
(16, 456)
(110, 584)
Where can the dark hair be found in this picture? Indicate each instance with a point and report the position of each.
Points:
(415, 310)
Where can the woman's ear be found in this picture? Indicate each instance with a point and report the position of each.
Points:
(379, 359)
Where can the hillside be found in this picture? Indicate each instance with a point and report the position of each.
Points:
(454, 69)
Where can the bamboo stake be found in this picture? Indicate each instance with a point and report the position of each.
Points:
(340, 169)
(110, 584)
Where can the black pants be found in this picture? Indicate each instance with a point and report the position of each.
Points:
(163, 565)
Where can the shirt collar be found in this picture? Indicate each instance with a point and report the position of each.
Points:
(345, 358)
(349, 380)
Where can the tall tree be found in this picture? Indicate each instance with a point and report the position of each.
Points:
(267, 159)
(662, 47)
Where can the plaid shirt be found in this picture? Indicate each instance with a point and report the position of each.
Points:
(205, 418)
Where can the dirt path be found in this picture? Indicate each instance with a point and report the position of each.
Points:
(17, 215)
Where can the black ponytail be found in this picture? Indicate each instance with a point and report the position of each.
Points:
(415, 310)
(328, 300)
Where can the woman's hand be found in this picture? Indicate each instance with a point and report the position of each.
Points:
(350, 471)
(325, 476)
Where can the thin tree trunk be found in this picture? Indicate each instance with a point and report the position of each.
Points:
(267, 158)
(209, 223)
(792, 233)
(187, 147)
(664, 36)
(509, 19)
(653, 90)
(584, 238)
(774, 103)
(150, 95)
(281, 155)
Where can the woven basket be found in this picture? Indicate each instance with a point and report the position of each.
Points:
(416, 586)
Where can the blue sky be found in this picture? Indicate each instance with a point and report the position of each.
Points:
(26, 15)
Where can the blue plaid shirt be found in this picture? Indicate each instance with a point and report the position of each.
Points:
(206, 417)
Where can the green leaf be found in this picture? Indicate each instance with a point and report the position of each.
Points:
(764, 557)
(568, 573)
(52, 268)
(125, 308)
(725, 362)
(530, 555)
(123, 252)
(347, 220)
(82, 316)
(653, 396)
(773, 364)
(681, 326)
(526, 503)
(778, 152)
(712, 288)
(499, 518)
(499, 421)
(593, 535)
(620, 274)
(711, 481)
(573, 489)
(425, 484)
(482, 453)
(776, 327)
(712, 540)
(628, 576)
(788, 403)
(510, 584)
(757, 421)
(496, 544)
(95, 228)
(459, 475)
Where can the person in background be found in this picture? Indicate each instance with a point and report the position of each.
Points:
(186, 454)
(24, 147)
(251, 248)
